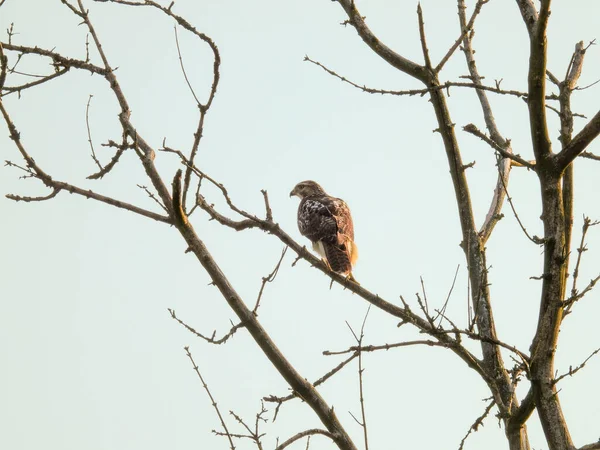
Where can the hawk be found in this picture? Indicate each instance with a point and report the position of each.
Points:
(327, 223)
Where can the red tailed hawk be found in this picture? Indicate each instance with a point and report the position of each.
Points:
(327, 222)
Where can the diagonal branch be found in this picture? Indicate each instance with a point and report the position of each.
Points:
(472, 129)
(572, 371)
(579, 142)
(212, 400)
(396, 60)
(22, 87)
(478, 422)
(465, 30)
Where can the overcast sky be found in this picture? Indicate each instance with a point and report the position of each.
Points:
(90, 358)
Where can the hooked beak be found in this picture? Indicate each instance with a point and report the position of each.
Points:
(293, 192)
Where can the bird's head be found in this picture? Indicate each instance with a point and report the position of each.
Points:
(306, 189)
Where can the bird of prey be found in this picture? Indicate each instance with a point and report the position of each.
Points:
(327, 223)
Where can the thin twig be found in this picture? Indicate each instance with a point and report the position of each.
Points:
(359, 341)
(89, 132)
(569, 302)
(478, 422)
(269, 279)
(535, 239)
(183, 67)
(321, 380)
(467, 29)
(443, 310)
(572, 371)
(424, 48)
(302, 434)
(212, 400)
(587, 223)
(20, 198)
(18, 89)
(472, 129)
(253, 435)
(210, 340)
(153, 197)
(114, 160)
(411, 92)
(374, 348)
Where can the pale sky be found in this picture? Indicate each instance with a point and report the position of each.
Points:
(90, 356)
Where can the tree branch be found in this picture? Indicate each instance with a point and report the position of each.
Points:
(212, 400)
(302, 434)
(537, 85)
(393, 58)
(579, 143)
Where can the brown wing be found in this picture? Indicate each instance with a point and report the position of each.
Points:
(327, 220)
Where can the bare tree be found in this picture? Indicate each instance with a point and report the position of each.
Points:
(180, 198)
